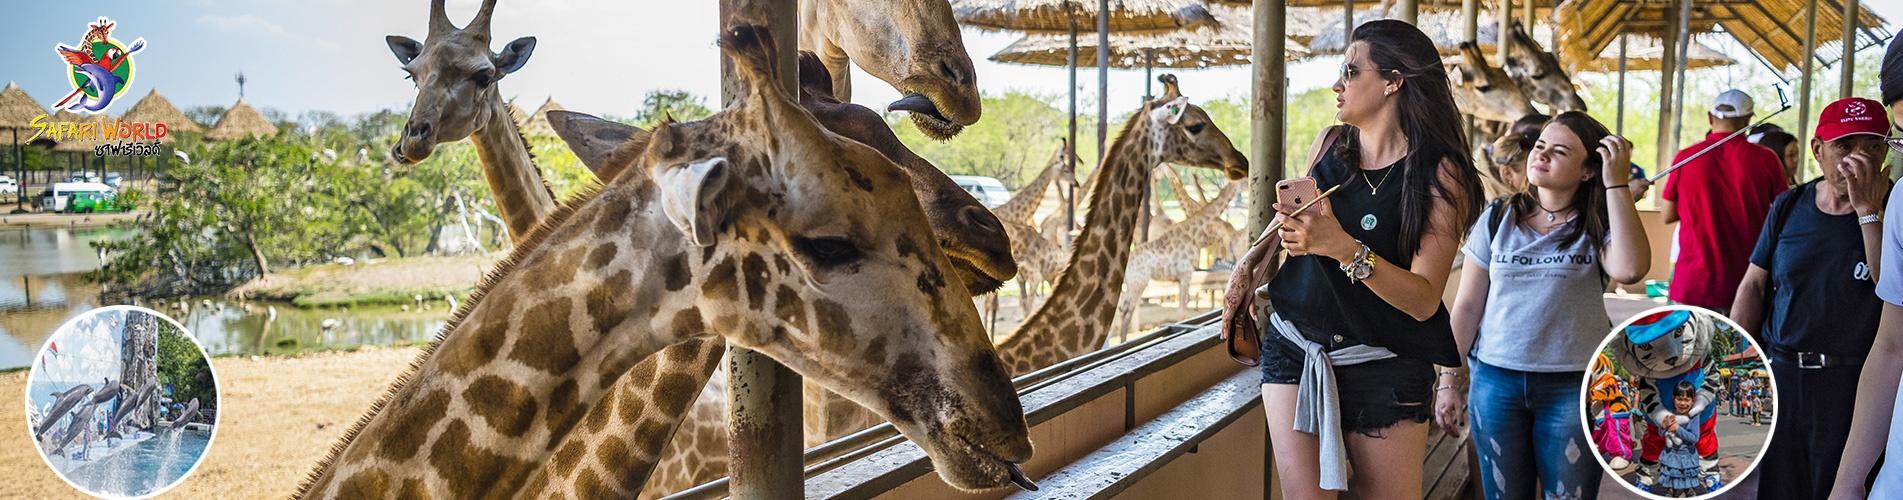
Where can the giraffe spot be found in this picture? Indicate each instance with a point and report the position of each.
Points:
(674, 273)
(674, 387)
(569, 455)
(469, 471)
(602, 412)
(720, 283)
(753, 268)
(557, 271)
(913, 386)
(651, 427)
(413, 490)
(411, 423)
(788, 307)
(589, 485)
(613, 450)
(602, 255)
(481, 347)
(539, 483)
(706, 254)
(683, 352)
(833, 319)
(607, 305)
(780, 263)
(507, 406)
(858, 179)
(632, 408)
(906, 246)
(552, 351)
(687, 323)
(369, 483)
(875, 350)
(613, 217)
(564, 411)
(929, 282)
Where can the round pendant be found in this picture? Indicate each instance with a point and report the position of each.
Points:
(1368, 222)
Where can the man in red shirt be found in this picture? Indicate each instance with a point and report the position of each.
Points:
(1720, 201)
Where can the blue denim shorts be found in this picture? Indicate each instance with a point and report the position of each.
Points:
(1374, 395)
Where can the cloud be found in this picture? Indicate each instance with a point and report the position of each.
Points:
(254, 25)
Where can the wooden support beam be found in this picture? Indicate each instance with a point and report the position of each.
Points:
(1267, 128)
(1470, 13)
(1103, 77)
(763, 397)
(1408, 11)
(1804, 83)
(1848, 85)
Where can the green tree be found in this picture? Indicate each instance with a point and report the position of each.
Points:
(679, 104)
(182, 365)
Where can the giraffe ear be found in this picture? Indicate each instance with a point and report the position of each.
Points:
(592, 139)
(689, 194)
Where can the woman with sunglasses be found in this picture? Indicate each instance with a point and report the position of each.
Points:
(1529, 313)
(1358, 301)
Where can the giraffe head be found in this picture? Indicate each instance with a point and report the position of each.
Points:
(1483, 90)
(452, 67)
(914, 45)
(969, 234)
(831, 270)
(1545, 81)
(1184, 134)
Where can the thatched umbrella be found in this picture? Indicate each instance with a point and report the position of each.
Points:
(1065, 16)
(76, 149)
(1325, 37)
(240, 121)
(1647, 53)
(155, 108)
(538, 122)
(1227, 44)
(17, 111)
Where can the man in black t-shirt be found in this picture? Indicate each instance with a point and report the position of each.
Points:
(1810, 295)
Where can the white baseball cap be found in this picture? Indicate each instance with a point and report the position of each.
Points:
(1731, 104)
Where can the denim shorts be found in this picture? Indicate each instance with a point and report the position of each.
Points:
(1374, 395)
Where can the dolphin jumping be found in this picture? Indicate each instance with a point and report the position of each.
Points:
(110, 390)
(81, 421)
(63, 402)
(185, 417)
(132, 403)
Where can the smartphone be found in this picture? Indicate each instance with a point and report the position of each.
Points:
(1296, 191)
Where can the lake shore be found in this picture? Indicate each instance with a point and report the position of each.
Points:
(70, 221)
(373, 282)
(278, 416)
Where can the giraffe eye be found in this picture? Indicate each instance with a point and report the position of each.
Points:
(829, 251)
(1194, 128)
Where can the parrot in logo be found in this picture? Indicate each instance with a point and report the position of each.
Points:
(99, 77)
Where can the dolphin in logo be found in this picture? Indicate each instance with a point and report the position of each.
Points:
(191, 411)
(63, 402)
(81, 421)
(133, 401)
(99, 77)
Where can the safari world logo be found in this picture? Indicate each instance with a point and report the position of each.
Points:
(100, 68)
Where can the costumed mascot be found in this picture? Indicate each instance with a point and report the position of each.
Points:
(1612, 415)
(1663, 349)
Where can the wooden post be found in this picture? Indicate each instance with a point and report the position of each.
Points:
(1847, 87)
(1470, 11)
(1619, 116)
(1668, 113)
(1680, 60)
(763, 397)
(1070, 162)
(1804, 83)
(1526, 20)
(1500, 32)
(1266, 111)
(1408, 11)
(1103, 76)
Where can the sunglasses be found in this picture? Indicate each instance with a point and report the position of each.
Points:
(1896, 144)
(1349, 71)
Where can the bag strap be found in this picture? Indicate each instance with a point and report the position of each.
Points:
(1329, 138)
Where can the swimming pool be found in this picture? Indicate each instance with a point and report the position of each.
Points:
(146, 467)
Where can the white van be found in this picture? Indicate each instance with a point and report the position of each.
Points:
(56, 198)
(989, 191)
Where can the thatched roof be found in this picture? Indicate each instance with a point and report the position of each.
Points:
(1226, 44)
(17, 109)
(538, 122)
(240, 121)
(1647, 53)
(1772, 29)
(156, 108)
(1054, 15)
(76, 145)
(1544, 6)
(1322, 27)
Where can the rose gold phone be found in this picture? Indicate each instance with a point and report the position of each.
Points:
(1296, 191)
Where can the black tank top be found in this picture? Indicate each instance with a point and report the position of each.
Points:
(1312, 292)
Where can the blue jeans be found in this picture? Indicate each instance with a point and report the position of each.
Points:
(1526, 428)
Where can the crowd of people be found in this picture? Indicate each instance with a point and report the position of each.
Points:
(1359, 355)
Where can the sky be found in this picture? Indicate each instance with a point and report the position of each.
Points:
(329, 55)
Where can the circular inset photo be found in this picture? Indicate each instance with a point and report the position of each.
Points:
(1679, 403)
(122, 402)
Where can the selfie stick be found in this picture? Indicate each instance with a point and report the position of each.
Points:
(1782, 100)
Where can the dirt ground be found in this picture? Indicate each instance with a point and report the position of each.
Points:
(375, 280)
(63, 220)
(279, 416)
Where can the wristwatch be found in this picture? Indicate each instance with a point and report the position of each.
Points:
(1870, 219)
(1361, 266)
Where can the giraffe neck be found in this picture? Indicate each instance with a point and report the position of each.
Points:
(1076, 317)
(520, 194)
(1024, 204)
(538, 345)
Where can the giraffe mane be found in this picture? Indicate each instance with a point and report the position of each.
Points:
(503, 269)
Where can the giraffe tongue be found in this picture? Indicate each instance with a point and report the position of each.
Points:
(1017, 477)
(916, 103)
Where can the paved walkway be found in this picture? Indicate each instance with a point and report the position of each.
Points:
(1739, 443)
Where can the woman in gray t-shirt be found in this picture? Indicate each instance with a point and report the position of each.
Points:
(1529, 310)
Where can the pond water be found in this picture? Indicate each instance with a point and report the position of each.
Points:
(42, 285)
(152, 464)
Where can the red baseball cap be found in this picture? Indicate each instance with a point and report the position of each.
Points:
(1852, 116)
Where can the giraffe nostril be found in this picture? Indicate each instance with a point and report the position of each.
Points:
(419, 130)
(980, 218)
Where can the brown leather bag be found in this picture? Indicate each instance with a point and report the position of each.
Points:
(1241, 330)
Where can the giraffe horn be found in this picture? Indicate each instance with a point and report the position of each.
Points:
(438, 21)
(480, 25)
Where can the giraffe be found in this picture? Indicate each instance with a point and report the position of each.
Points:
(1076, 317)
(687, 244)
(967, 232)
(1040, 258)
(1538, 73)
(456, 97)
(1172, 255)
(1024, 203)
(1485, 91)
(914, 45)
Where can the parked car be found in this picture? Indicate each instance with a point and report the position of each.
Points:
(60, 196)
(987, 190)
(8, 186)
(113, 179)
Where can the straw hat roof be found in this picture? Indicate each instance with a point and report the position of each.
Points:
(1226, 44)
(538, 122)
(1647, 53)
(156, 108)
(1772, 29)
(17, 109)
(240, 121)
(76, 145)
(1326, 38)
(1054, 15)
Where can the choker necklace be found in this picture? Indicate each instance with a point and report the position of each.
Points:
(1373, 188)
(1551, 215)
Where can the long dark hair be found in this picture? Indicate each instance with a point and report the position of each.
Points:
(1430, 121)
(1589, 200)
